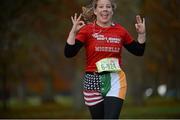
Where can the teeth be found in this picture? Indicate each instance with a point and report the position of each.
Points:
(104, 15)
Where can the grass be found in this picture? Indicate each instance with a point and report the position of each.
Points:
(152, 108)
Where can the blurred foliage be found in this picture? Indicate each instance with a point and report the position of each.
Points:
(162, 53)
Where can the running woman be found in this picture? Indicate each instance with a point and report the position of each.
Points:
(104, 80)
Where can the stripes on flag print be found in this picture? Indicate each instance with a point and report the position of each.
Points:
(92, 97)
(92, 94)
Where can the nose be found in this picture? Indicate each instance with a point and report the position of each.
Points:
(105, 8)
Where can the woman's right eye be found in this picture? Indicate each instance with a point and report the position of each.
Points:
(101, 6)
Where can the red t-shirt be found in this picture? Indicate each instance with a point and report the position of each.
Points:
(102, 43)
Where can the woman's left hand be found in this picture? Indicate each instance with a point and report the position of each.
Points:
(140, 25)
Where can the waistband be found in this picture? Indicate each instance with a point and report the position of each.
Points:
(96, 73)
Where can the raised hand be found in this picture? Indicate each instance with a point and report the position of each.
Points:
(77, 23)
(140, 25)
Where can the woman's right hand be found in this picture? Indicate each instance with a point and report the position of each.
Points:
(77, 23)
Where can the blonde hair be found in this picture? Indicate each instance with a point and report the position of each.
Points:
(88, 11)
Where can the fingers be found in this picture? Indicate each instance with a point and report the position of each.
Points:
(82, 23)
(75, 18)
(136, 26)
(72, 19)
(79, 17)
(138, 19)
(144, 21)
(140, 25)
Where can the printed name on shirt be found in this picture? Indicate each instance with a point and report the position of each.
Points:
(107, 49)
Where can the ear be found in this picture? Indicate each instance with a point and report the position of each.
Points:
(95, 12)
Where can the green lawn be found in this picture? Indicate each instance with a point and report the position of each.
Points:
(152, 108)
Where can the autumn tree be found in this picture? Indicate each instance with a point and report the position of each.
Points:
(32, 40)
(162, 58)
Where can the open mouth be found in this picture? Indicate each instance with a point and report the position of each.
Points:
(104, 16)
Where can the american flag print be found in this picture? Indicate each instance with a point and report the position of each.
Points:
(92, 97)
(92, 86)
(92, 94)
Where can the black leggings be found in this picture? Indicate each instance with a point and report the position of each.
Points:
(110, 108)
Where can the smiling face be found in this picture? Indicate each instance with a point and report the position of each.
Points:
(104, 12)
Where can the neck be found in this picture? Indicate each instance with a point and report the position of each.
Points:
(104, 24)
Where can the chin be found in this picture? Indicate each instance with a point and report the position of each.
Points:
(105, 21)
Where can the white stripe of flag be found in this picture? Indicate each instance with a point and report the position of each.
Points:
(92, 97)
